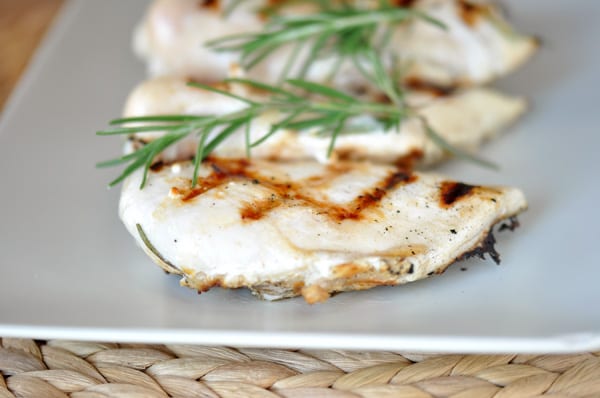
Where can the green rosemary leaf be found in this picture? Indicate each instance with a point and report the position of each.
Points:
(266, 87)
(153, 249)
(133, 166)
(200, 153)
(311, 123)
(291, 61)
(247, 138)
(334, 135)
(148, 162)
(225, 133)
(431, 20)
(222, 92)
(317, 46)
(139, 129)
(117, 161)
(442, 143)
(278, 126)
(140, 158)
(157, 119)
(231, 7)
(320, 89)
(252, 58)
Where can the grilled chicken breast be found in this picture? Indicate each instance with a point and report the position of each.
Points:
(284, 229)
(477, 46)
(464, 119)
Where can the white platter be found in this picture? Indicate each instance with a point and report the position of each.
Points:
(68, 269)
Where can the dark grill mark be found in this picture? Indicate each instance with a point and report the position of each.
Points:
(255, 211)
(158, 166)
(211, 4)
(452, 191)
(403, 3)
(283, 192)
(221, 173)
(417, 84)
(354, 210)
(409, 161)
(470, 12)
(397, 178)
(270, 9)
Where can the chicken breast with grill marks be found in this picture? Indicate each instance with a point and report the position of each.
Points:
(464, 119)
(284, 229)
(477, 46)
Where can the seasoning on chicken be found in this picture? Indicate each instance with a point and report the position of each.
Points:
(284, 229)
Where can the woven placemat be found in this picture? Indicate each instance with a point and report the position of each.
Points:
(99, 370)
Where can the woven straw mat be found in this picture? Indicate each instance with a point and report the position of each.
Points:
(99, 370)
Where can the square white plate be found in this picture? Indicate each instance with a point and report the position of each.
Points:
(68, 268)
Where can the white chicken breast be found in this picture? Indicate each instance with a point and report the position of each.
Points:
(477, 46)
(284, 229)
(464, 119)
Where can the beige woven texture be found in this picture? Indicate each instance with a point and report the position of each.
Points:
(99, 370)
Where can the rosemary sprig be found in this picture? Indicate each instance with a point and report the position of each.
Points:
(340, 29)
(302, 106)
